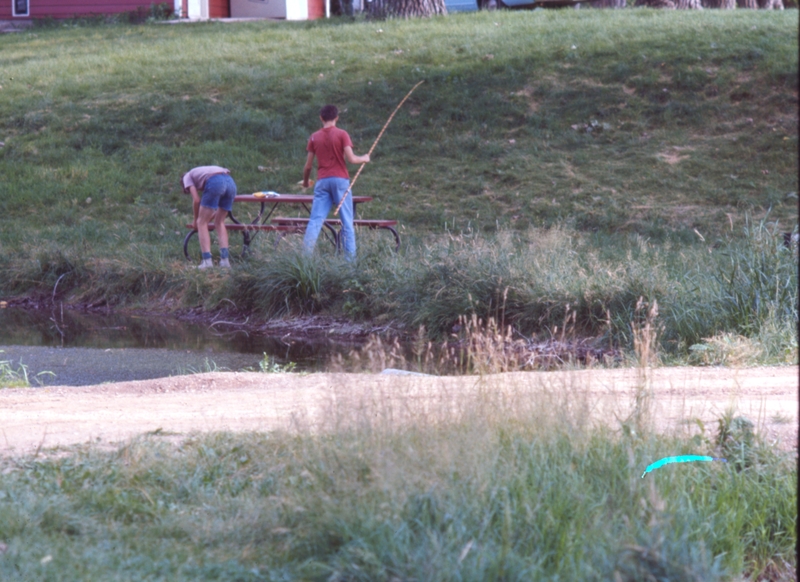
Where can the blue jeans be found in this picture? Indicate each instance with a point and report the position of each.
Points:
(219, 192)
(328, 193)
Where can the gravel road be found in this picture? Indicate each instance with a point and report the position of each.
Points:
(60, 416)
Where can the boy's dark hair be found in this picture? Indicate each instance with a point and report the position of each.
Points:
(329, 113)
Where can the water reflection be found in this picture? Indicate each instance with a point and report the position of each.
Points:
(83, 348)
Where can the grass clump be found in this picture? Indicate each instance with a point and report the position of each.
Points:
(16, 376)
(751, 291)
(13, 377)
(291, 283)
(488, 486)
(268, 365)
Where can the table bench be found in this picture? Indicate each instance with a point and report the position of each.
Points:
(331, 222)
(265, 222)
(245, 229)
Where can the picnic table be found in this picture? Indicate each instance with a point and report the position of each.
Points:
(265, 221)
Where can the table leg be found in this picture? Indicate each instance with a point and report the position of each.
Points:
(186, 244)
(246, 239)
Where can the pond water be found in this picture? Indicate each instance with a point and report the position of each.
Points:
(74, 349)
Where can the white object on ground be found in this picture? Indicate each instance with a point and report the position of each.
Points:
(396, 372)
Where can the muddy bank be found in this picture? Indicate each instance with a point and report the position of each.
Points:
(311, 342)
(305, 327)
(79, 346)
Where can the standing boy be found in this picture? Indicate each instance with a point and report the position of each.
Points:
(218, 190)
(331, 146)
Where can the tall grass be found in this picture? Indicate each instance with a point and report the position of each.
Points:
(548, 283)
(545, 284)
(751, 291)
(505, 481)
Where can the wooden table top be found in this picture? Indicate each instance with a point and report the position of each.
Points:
(291, 199)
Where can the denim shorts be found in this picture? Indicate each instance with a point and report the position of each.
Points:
(219, 192)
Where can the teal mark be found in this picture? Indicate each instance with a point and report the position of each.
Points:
(680, 459)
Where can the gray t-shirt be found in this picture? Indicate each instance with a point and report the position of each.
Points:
(198, 176)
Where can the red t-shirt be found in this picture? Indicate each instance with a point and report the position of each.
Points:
(328, 145)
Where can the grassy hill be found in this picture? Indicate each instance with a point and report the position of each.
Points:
(679, 128)
(642, 121)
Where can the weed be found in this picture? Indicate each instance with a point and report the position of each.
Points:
(208, 366)
(11, 377)
(726, 349)
(779, 418)
(17, 377)
(268, 365)
(736, 440)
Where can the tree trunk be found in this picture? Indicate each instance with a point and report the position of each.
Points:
(689, 5)
(724, 4)
(770, 4)
(404, 8)
(752, 4)
(607, 4)
(668, 4)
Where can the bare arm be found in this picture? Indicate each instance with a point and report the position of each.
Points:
(354, 159)
(307, 169)
(195, 205)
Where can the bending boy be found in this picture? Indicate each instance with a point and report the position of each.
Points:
(218, 190)
(331, 146)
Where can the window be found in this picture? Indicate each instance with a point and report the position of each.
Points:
(21, 7)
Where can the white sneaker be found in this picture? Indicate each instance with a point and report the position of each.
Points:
(206, 264)
(225, 263)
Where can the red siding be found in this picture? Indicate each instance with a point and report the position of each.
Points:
(316, 9)
(68, 8)
(219, 9)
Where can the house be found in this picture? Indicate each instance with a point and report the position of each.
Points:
(192, 9)
(26, 9)
(202, 9)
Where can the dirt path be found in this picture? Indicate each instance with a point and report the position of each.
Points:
(63, 416)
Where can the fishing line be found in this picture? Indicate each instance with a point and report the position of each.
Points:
(369, 153)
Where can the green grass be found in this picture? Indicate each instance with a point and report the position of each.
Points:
(13, 377)
(504, 488)
(116, 113)
(656, 125)
(16, 375)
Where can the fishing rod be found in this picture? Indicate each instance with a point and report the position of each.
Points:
(377, 139)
